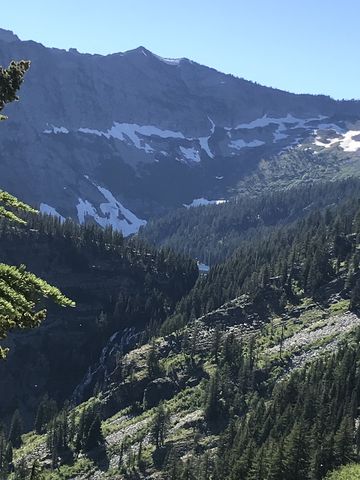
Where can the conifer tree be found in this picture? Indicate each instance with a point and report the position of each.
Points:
(258, 468)
(153, 364)
(160, 425)
(16, 430)
(36, 471)
(8, 457)
(343, 442)
(188, 471)
(94, 437)
(20, 291)
(276, 467)
(3, 447)
(46, 411)
(89, 433)
(355, 297)
(212, 403)
(215, 343)
(11, 79)
(296, 454)
(21, 470)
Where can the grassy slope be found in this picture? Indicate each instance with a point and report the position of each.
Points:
(349, 472)
(298, 166)
(313, 333)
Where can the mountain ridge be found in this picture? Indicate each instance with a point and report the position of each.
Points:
(153, 135)
(11, 36)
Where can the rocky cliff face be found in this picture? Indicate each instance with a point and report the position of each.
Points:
(118, 139)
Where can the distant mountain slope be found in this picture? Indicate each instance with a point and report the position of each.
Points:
(211, 233)
(118, 139)
(321, 241)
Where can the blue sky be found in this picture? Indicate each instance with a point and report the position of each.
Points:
(310, 46)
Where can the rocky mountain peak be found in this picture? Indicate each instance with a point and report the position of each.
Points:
(122, 138)
(8, 36)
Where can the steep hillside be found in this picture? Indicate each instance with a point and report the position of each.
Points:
(122, 138)
(205, 401)
(122, 288)
(256, 373)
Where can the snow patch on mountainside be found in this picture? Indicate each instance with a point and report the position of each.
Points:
(85, 209)
(346, 141)
(349, 144)
(198, 202)
(239, 144)
(53, 129)
(113, 209)
(169, 61)
(283, 124)
(204, 141)
(49, 210)
(265, 121)
(150, 138)
(327, 143)
(204, 144)
(139, 136)
(91, 131)
(128, 133)
(115, 214)
(212, 123)
(190, 154)
(132, 134)
(131, 130)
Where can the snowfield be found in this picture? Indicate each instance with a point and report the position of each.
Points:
(198, 202)
(148, 137)
(239, 144)
(345, 140)
(114, 214)
(190, 154)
